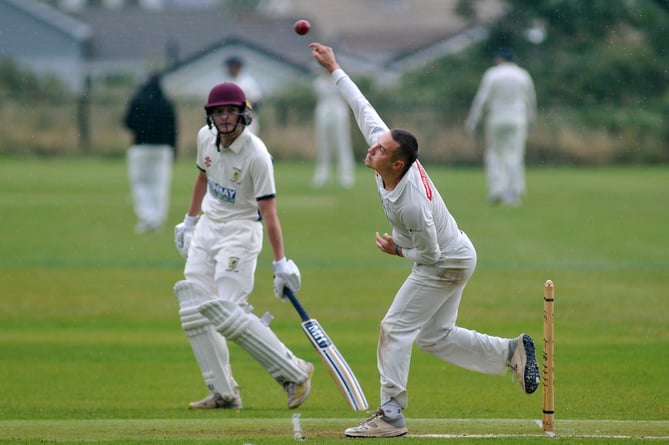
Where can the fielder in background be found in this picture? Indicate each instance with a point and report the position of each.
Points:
(151, 118)
(333, 134)
(235, 72)
(221, 236)
(507, 98)
(425, 308)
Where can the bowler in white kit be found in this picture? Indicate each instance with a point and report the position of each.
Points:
(425, 308)
(234, 197)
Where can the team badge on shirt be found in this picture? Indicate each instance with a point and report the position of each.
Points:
(207, 162)
(233, 262)
(236, 174)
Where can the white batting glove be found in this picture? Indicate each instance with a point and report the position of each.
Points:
(286, 274)
(183, 233)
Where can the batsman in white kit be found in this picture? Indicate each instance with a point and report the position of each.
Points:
(234, 197)
(425, 308)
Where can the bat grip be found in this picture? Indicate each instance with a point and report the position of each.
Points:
(296, 303)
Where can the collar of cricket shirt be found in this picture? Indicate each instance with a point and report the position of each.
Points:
(240, 142)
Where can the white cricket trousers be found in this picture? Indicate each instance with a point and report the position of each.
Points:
(150, 174)
(222, 257)
(504, 160)
(425, 310)
(333, 139)
(222, 260)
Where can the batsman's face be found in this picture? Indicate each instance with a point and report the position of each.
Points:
(381, 156)
(225, 118)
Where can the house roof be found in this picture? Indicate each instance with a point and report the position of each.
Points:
(301, 63)
(386, 31)
(381, 31)
(138, 33)
(382, 38)
(53, 18)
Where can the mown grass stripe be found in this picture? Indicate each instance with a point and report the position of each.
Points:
(306, 264)
(240, 427)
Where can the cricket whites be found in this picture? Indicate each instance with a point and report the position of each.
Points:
(335, 363)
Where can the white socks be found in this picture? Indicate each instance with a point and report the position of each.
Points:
(392, 409)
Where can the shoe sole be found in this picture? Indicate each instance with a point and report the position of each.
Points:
(388, 434)
(531, 374)
(385, 430)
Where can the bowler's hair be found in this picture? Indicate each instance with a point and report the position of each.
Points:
(408, 146)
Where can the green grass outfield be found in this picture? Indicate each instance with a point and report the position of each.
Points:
(91, 348)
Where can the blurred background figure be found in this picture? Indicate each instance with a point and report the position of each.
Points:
(235, 72)
(333, 134)
(151, 118)
(507, 98)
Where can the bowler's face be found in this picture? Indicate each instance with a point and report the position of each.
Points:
(381, 155)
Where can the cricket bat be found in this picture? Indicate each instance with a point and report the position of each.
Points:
(335, 363)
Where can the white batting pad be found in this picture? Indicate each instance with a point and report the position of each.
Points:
(210, 349)
(252, 335)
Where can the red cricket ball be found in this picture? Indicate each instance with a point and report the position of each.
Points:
(302, 27)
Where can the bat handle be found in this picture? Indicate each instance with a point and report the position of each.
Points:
(296, 303)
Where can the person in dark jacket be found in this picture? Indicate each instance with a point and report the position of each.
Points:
(151, 118)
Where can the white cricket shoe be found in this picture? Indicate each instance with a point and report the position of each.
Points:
(523, 364)
(298, 392)
(379, 426)
(216, 400)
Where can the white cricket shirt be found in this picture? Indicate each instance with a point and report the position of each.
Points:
(506, 95)
(422, 225)
(238, 176)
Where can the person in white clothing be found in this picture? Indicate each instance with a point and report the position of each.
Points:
(333, 134)
(425, 308)
(235, 72)
(221, 236)
(507, 99)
